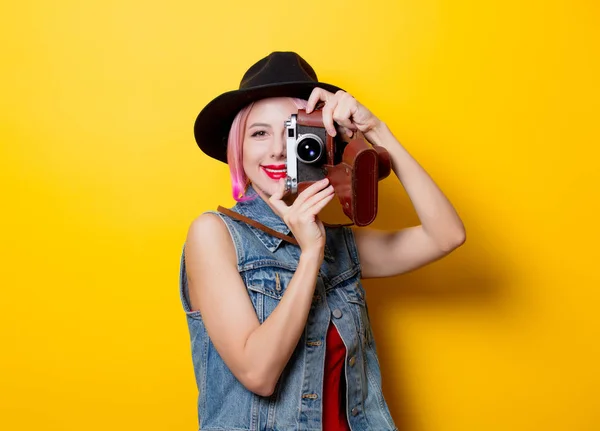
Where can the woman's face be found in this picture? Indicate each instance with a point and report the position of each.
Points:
(264, 146)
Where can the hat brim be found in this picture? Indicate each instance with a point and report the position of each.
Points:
(212, 125)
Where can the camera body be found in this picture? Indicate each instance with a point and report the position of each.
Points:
(309, 150)
(353, 166)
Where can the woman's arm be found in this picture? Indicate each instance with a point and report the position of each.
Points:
(388, 253)
(256, 354)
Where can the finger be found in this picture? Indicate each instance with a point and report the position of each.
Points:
(343, 119)
(310, 202)
(328, 116)
(316, 95)
(346, 132)
(276, 198)
(344, 111)
(316, 208)
(310, 191)
(280, 191)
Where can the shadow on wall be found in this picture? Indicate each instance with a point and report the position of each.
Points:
(471, 276)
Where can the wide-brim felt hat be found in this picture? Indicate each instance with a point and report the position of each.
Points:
(280, 74)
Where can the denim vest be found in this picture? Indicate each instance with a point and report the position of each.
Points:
(266, 265)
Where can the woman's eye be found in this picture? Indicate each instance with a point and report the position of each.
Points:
(259, 133)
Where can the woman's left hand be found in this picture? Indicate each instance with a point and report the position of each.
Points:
(345, 110)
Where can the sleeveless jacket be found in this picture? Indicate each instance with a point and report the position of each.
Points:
(266, 264)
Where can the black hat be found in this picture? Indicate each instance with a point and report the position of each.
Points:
(280, 74)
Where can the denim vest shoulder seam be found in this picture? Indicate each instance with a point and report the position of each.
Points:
(351, 243)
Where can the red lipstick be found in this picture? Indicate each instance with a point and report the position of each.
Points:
(275, 172)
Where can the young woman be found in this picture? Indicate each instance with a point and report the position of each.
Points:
(278, 321)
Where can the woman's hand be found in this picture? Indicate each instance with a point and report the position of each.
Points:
(301, 216)
(345, 110)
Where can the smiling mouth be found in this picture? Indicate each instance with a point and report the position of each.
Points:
(275, 172)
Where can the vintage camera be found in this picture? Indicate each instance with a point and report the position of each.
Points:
(354, 167)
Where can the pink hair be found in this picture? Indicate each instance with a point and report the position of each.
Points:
(239, 180)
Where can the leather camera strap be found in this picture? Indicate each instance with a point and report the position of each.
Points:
(257, 225)
(266, 229)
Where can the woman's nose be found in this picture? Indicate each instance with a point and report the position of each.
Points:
(279, 147)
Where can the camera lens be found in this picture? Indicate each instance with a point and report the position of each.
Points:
(310, 148)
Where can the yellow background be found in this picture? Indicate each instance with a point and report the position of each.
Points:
(100, 178)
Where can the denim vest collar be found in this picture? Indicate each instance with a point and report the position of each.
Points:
(257, 209)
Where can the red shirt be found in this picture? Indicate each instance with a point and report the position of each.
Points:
(334, 396)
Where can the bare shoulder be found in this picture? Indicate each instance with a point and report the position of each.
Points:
(208, 228)
(207, 225)
(209, 244)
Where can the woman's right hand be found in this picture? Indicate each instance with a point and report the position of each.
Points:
(302, 216)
